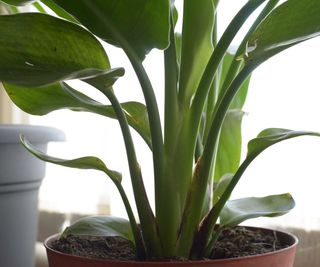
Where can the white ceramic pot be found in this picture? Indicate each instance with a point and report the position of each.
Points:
(20, 177)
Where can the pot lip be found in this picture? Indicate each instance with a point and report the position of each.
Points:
(10, 133)
(294, 244)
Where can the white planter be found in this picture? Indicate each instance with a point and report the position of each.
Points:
(20, 177)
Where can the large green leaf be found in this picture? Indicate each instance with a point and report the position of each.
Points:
(100, 226)
(229, 148)
(272, 136)
(58, 10)
(292, 22)
(238, 210)
(93, 163)
(43, 100)
(142, 24)
(240, 98)
(38, 49)
(256, 146)
(196, 49)
(18, 2)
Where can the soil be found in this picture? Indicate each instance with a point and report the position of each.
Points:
(240, 241)
(234, 242)
(111, 247)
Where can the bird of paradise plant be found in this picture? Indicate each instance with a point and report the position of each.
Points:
(196, 150)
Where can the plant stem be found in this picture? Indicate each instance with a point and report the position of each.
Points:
(193, 207)
(140, 249)
(213, 240)
(168, 209)
(217, 56)
(147, 220)
(206, 246)
(201, 178)
(149, 228)
(237, 62)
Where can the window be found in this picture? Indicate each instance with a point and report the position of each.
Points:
(283, 93)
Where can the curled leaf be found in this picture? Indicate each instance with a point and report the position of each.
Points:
(291, 23)
(101, 226)
(80, 163)
(238, 210)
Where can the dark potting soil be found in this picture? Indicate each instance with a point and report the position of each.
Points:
(240, 241)
(234, 242)
(111, 247)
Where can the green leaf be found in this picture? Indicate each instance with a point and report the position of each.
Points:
(100, 226)
(43, 100)
(196, 46)
(38, 49)
(240, 97)
(105, 79)
(272, 136)
(265, 139)
(239, 210)
(142, 24)
(58, 10)
(221, 186)
(230, 142)
(291, 23)
(18, 2)
(93, 163)
(137, 117)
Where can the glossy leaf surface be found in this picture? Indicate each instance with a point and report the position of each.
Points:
(93, 163)
(272, 136)
(100, 226)
(240, 97)
(58, 10)
(43, 100)
(38, 49)
(197, 47)
(229, 149)
(292, 22)
(143, 24)
(18, 2)
(238, 210)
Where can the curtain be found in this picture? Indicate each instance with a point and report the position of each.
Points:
(9, 113)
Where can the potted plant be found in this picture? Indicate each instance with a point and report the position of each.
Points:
(196, 151)
(20, 178)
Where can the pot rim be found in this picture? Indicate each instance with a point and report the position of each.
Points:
(10, 133)
(294, 244)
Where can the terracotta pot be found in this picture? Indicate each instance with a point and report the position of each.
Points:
(280, 258)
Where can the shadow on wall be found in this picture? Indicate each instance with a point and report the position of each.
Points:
(308, 252)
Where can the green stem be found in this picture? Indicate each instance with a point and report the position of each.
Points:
(168, 209)
(206, 245)
(192, 211)
(146, 216)
(237, 62)
(201, 179)
(217, 56)
(213, 240)
(202, 173)
(149, 231)
(140, 249)
(171, 93)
